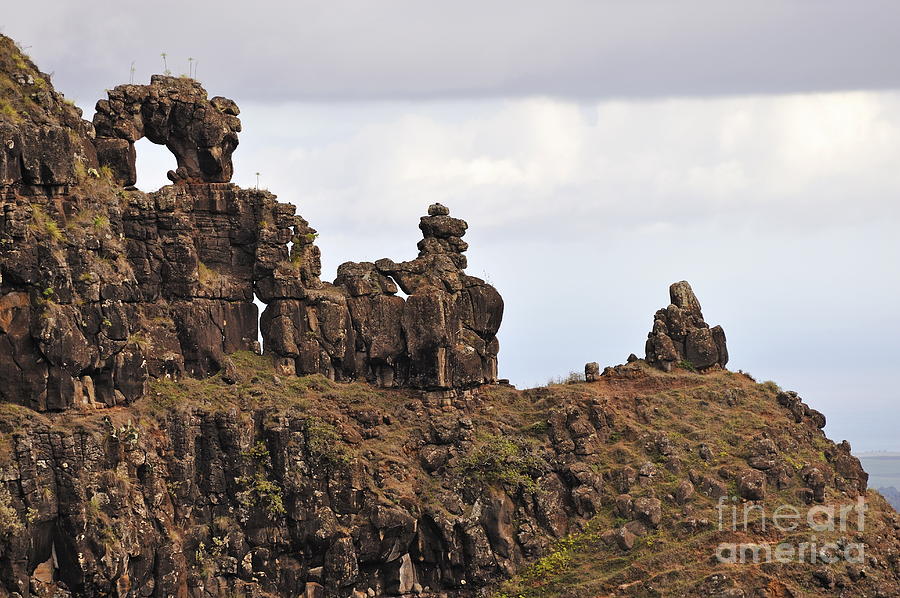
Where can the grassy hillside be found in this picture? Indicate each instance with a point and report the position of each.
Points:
(664, 448)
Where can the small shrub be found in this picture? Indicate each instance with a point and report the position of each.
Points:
(324, 441)
(206, 274)
(261, 492)
(10, 525)
(770, 387)
(258, 489)
(138, 341)
(572, 377)
(686, 365)
(538, 428)
(505, 460)
(8, 112)
(42, 223)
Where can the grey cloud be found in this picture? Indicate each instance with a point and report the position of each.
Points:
(409, 49)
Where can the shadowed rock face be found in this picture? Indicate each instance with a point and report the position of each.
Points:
(101, 292)
(680, 334)
(171, 111)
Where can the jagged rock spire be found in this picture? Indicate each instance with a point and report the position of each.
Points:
(680, 334)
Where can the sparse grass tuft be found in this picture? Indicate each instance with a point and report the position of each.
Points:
(42, 224)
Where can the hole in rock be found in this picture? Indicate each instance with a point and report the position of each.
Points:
(153, 162)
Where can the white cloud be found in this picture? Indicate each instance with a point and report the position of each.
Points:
(610, 166)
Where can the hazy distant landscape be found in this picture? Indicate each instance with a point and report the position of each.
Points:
(884, 474)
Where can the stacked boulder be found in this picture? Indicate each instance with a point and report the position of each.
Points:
(681, 335)
(450, 319)
(441, 337)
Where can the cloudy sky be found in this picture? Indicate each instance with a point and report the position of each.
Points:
(599, 151)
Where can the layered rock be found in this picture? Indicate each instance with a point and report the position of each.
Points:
(43, 139)
(681, 335)
(100, 293)
(171, 111)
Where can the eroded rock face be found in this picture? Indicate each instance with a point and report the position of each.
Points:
(680, 334)
(441, 337)
(105, 288)
(43, 139)
(171, 111)
(100, 293)
(450, 320)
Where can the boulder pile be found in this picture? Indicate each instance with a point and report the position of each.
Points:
(680, 335)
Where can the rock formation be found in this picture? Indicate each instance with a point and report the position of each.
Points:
(105, 288)
(441, 337)
(680, 335)
(449, 320)
(171, 111)
(258, 484)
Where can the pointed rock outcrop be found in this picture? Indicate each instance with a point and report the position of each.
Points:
(681, 335)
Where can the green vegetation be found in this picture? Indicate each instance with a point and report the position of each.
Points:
(324, 441)
(139, 341)
(506, 460)
(686, 365)
(100, 222)
(258, 489)
(572, 377)
(10, 525)
(42, 224)
(207, 275)
(7, 111)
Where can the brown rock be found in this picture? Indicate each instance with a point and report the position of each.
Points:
(751, 484)
(680, 334)
(684, 492)
(171, 111)
(648, 511)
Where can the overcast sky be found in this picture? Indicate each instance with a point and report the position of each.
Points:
(599, 151)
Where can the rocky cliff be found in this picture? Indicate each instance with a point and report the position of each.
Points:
(149, 446)
(105, 287)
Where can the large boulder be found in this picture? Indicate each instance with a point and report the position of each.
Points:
(680, 334)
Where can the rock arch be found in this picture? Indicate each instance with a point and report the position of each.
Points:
(202, 133)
